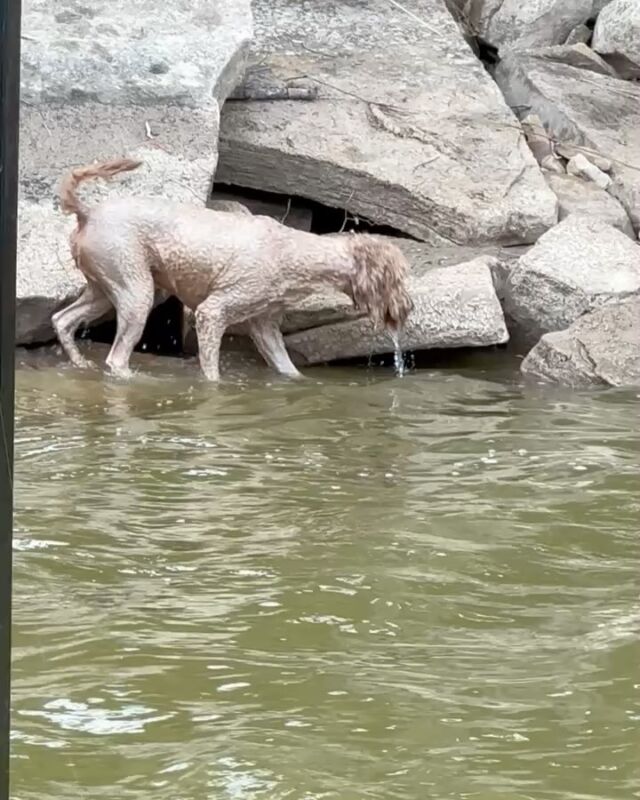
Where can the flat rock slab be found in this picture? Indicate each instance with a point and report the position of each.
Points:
(455, 306)
(580, 265)
(110, 79)
(408, 129)
(584, 112)
(108, 50)
(577, 55)
(578, 196)
(601, 348)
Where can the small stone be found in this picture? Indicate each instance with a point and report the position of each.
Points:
(580, 166)
(581, 34)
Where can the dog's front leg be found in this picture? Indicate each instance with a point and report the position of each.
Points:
(210, 327)
(267, 337)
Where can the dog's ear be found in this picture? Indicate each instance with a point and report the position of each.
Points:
(378, 281)
(365, 278)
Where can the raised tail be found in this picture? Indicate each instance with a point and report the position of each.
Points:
(69, 200)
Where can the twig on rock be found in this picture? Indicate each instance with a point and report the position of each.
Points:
(286, 213)
(268, 93)
(415, 17)
(346, 212)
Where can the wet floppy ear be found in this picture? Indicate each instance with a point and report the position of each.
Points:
(365, 279)
(396, 300)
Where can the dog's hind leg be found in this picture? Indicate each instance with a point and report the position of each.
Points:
(91, 305)
(268, 339)
(133, 304)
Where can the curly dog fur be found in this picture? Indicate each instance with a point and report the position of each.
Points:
(228, 268)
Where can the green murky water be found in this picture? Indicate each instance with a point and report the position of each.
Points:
(356, 587)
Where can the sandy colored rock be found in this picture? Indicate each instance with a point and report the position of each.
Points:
(600, 348)
(580, 167)
(577, 196)
(541, 144)
(455, 306)
(580, 265)
(112, 79)
(617, 36)
(408, 129)
(596, 115)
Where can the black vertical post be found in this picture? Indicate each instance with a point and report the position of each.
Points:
(9, 115)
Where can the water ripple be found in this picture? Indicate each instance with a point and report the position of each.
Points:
(351, 587)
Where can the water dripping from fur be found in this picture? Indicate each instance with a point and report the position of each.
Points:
(398, 355)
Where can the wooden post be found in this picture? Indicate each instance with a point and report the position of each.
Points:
(9, 116)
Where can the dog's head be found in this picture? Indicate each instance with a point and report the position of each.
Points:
(379, 281)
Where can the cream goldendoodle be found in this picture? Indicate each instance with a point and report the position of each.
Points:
(228, 268)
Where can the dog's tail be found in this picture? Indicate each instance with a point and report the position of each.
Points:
(69, 200)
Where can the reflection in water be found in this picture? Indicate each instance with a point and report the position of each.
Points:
(350, 587)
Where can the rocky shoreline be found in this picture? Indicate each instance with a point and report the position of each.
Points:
(497, 141)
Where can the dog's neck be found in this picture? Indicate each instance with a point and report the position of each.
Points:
(332, 261)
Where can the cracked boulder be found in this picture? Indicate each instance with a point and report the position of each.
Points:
(617, 36)
(455, 306)
(585, 113)
(576, 267)
(517, 24)
(114, 79)
(407, 128)
(601, 348)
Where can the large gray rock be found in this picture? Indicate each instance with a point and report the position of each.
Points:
(600, 348)
(408, 129)
(596, 115)
(455, 306)
(109, 79)
(43, 283)
(578, 196)
(581, 264)
(617, 36)
(597, 7)
(534, 23)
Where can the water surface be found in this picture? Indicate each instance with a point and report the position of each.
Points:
(353, 587)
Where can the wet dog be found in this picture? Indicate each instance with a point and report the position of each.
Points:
(228, 268)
